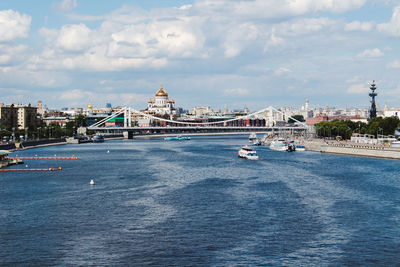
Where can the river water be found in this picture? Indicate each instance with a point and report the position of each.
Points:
(195, 203)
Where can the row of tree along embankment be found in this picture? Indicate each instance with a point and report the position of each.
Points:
(364, 150)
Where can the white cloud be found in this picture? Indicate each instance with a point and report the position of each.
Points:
(275, 9)
(236, 91)
(360, 88)
(359, 26)
(394, 65)
(75, 94)
(13, 25)
(281, 71)
(392, 28)
(74, 37)
(371, 53)
(65, 5)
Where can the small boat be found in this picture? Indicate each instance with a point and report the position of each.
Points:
(247, 152)
(256, 142)
(98, 139)
(176, 138)
(300, 148)
(282, 145)
(252, 137)
(92, 182)
(395, 144)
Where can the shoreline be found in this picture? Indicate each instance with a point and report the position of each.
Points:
(338, 148)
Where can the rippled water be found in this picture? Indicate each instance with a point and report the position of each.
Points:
(195, 203)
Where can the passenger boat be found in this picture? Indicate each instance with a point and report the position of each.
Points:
(252, 137)
(300, 148)
(282, 145)
(395, 144)
(176, 138)
(256, 142)
(247, 152)
(98, 139)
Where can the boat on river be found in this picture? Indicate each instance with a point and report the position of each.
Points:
(98, 139)
(282, 145)
(176, 138)
(252, 137)
(247, 152)
(300, 148)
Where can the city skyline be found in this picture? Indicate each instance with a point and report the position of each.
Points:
(205, 53)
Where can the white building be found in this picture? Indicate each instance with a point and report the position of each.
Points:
(390, 112)
(161, 104)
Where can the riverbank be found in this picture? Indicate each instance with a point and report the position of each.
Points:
(353, 149)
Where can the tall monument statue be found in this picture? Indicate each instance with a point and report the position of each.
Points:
(372, 110)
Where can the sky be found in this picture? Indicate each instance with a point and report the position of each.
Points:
(239, 53)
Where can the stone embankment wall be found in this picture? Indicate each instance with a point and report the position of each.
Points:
(44, 142)
(347, 148)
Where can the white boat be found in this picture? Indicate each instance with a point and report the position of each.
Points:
(300, 148)
(282, 145)
(252, 137)
(247, 152)
(395, 144)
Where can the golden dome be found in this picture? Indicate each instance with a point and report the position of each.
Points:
(161, 92)
(89, 106)
(151, 101)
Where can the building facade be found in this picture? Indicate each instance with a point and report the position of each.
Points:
(18, 116)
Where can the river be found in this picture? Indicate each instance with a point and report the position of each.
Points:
(195, 203)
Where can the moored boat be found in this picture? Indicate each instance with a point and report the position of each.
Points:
(247, 152)
(98, 139)
(176, 138)
(252, 137)
(282, 145)
(300, 148)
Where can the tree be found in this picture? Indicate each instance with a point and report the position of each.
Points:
(296, 117)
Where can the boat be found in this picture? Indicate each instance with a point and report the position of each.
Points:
(98, 139)
(300, 148)
(252, 137)
(282, 145)
(395, 144)
(247, 152)
(257, 142)
(176, 138)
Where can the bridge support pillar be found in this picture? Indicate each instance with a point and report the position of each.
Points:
(128, 135)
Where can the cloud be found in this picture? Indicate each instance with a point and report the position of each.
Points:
(391, 28)
(359, 26)
(281, 71)
(371, 53)
(394, 65)
(360, 88)
(236, 92)
(74, 94)
(271, 9)
(65, 5)
(13, 25)
(75, 37)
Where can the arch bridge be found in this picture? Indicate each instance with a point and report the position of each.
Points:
(261, 121)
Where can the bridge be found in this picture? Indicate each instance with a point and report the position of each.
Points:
(264, 117)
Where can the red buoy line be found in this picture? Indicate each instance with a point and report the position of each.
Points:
(26, 170)
(43, 157)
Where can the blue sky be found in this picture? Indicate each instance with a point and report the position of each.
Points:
(252, 53)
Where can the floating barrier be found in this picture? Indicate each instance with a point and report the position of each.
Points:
(27, 170)
(43, 158)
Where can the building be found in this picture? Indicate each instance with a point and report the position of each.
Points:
(18, 116)
(161, 104)
(8, 116)
(27, 116)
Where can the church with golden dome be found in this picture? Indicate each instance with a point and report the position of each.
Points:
(161, 104)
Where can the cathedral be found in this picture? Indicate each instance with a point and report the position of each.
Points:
(161, 104)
